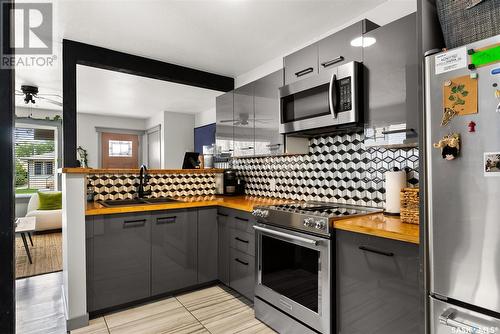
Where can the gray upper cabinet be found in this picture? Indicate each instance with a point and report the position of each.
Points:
(244, 121)
(174, 250)
(121, 259)
(207, 245)
(377, 277)
(268, 139)
(301, 64)
(391, 76)
(342, 46)
(224, 122)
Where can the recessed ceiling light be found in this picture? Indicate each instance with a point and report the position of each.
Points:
(363, 41)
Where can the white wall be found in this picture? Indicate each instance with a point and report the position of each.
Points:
(386, 12)
(178, 138)
(204, 118)
(87, 135)
(158, 119)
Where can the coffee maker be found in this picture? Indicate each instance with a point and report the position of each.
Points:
(233, 185)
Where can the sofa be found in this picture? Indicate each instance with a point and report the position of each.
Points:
(45, 219)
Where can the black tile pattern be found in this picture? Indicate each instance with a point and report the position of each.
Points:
(125, 186)
(337, 168)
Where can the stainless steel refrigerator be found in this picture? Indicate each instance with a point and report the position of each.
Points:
(463, 194)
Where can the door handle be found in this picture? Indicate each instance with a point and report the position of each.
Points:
(389, 132)
(286, 235)
(332, 96)
(166, 220)
(448, 319)
(242, 219)
(241, 240)
(134, 223)
(221, 214)
(273, 145)
(333, 61)
(242, 262)
(376, 251)
(304, 72)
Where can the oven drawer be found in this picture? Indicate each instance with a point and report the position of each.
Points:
(242, 273)
(243, 241)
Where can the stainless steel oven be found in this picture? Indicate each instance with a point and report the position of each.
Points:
(324, 102)
(294, 275)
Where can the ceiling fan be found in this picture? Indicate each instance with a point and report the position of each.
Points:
(30, 94)
(244, 120)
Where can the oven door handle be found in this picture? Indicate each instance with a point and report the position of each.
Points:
(286, 235)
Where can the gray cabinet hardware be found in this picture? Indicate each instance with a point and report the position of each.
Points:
(166, 220)
(333, 61)
(304, 71)
(241, 240)
(134, 223)
(242, 262)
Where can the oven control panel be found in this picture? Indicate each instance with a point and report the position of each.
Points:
(317, 223)
(261, 213)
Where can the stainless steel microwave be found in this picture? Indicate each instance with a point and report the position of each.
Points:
(322, 103)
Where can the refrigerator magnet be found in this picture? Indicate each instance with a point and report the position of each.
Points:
(492, 164)
(449, 145)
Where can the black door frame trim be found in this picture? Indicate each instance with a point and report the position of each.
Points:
(77, 53)
(7, 263)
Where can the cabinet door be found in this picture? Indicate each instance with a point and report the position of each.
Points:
(174, 250)
(378, 290)
(268, 139)
(301, 64)
(207, 245)
(89, 258)
(242, 273)
(223, 247)
(244, 121)
(391, 74)
(121, 259)
(224, 122)
(336, 49)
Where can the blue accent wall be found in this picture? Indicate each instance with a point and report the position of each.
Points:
(204, 135)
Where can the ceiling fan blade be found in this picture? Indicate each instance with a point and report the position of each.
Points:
(57, 103)
(44, 94)
(226, 121)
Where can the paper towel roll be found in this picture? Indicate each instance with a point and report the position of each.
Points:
(394, 182)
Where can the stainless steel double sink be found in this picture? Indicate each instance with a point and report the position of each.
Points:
(137, 201)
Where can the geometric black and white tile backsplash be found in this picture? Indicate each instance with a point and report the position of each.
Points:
(338, 168)
(124, 186)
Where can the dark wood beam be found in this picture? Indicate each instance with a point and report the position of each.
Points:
(77, 53)
(7, 254)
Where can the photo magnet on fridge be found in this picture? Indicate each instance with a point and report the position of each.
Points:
(492, 164)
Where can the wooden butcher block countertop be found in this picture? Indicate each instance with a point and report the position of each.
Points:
(380, 225)
(375, 224)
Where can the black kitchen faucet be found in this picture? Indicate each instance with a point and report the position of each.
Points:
(143, 180)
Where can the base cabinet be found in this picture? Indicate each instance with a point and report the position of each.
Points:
(378, 287)
(207, 245)
(121, 255)
(173, 250)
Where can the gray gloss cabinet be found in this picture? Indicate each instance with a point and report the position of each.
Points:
(207, 245)
(224, 122)
(224, 245)
(244, 121)
(173, 250)
(301, 64)
(391, 74)
(377, 282)
(121, 254)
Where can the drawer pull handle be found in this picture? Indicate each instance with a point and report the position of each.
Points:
(242, 219)
(304, 71)
(333, 61)
(376, 251)
(242, 262)
(221, 214)
(241, 240)
(166, 220)
(134, 223)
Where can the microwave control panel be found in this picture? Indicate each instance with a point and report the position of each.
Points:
(345, 92)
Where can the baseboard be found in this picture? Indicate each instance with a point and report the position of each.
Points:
(74, 323)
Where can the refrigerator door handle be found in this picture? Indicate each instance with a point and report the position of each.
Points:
(448, 319)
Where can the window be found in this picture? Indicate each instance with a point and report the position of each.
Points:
(35, 159)
(120, 148)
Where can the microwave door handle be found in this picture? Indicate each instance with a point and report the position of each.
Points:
(332, 96)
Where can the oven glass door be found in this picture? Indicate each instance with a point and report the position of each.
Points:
(291, 270)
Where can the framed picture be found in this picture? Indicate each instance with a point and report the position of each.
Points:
(491, 164)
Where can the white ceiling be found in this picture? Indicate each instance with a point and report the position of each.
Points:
(113, 93)
(228, 37)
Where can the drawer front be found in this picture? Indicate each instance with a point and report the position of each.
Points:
(242, 221)
(243, 241)
(301, 64)
(242, 273)
(121, 259)
(174, 251)
(379, 277)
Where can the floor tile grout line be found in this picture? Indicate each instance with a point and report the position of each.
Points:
(192, 314)
(106, 323)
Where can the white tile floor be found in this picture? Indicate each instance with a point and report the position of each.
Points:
(215, 310)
